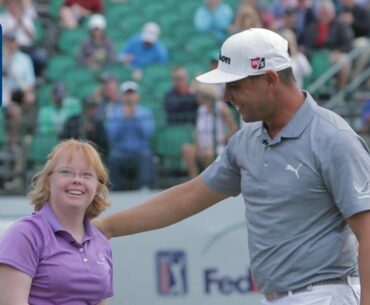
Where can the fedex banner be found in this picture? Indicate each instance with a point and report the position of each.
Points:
(199, 261)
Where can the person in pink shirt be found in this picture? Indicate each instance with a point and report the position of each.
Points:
(55, 256)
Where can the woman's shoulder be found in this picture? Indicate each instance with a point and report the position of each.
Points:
(28, 225)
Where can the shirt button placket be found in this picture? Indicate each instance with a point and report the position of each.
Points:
(84, 258)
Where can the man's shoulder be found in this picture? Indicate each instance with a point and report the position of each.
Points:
(328, 120)
(135, 39)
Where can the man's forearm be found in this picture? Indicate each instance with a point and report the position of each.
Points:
(364, 263)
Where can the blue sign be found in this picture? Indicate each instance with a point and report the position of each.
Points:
(171, 273)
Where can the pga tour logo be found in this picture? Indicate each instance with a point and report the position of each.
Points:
(258, 63)
(171, 273)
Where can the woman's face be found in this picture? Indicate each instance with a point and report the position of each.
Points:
(72, 184)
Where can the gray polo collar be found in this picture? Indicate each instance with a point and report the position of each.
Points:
(297, 123)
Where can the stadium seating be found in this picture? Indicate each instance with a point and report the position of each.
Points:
(168, 146)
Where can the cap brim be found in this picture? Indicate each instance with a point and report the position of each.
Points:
(218, 77)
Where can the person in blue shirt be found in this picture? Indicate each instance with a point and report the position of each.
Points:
(214, 17)
(144, 49)
(129, 131)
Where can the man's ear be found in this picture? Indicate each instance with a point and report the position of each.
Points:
(271, 77)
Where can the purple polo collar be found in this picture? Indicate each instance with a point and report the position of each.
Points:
(47, 212)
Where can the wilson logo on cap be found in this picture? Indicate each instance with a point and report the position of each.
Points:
(225, 59)
(258, 63)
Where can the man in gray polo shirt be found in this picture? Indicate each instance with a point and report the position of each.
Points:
(302, 171)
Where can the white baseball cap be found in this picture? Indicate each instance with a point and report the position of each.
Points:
(129, 86)
(248, 53)
(151, 32)
(97, 21)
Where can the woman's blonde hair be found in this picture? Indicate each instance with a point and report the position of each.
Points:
(291, 37)
(39, 195)
(243, 12)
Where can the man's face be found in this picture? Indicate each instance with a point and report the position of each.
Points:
(110, 89)
(180, 78)
(14, 6)
(326, 13)
(250, 98)
(130, 97)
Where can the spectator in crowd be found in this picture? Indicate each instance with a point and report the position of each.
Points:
(329, 33)
(18, 21)
(278, 7)
(246, 17)
(214, 17)
(106, 96)
(290, 19)
(304, 16)
(214, 125)
(73, 12)
(143, 49)
(129, 133)
(21, 125)
(180, 103)
(21, 118)
(269, 21)
(300, 65)
(98, 50)
(18, 70)
(358, 18)
(52, 118)
(26, 101)
(87, 126)
(19, 86)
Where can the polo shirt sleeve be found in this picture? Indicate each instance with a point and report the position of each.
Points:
(223, 175)
(20, 247)
(346, 172)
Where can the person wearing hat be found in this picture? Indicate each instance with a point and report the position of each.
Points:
(144, 49)
(98, 50)
(302, 172)
(129, 130)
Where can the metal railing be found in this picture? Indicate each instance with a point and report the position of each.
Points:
(320, 82)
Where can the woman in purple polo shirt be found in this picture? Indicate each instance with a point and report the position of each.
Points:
(55, 256)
